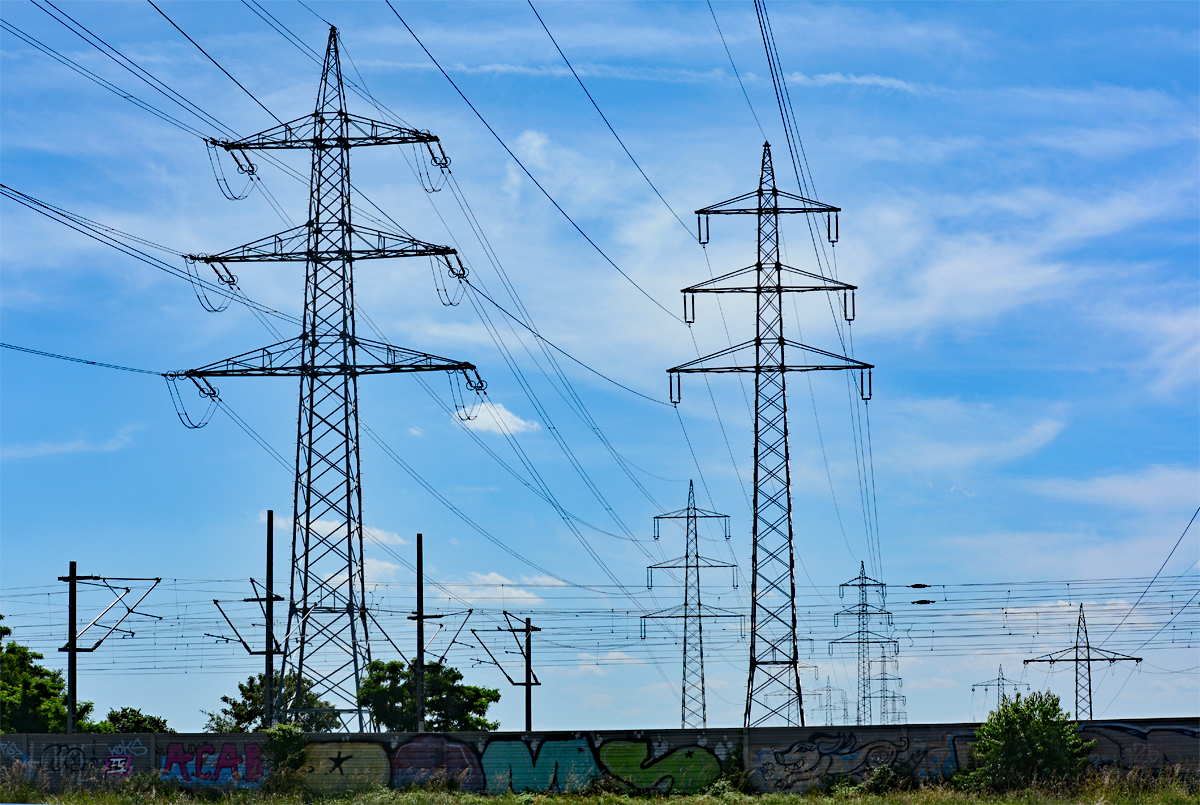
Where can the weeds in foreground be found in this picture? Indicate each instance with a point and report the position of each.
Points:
(1103, 786)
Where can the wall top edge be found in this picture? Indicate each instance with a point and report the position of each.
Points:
(336, 737)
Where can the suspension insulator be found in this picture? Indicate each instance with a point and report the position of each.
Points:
(831, 228)
(689, 308)
(864, 384)
(849, 306)
(675, 389)
(702, 229)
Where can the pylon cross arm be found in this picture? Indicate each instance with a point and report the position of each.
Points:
(303, 132)
(295, 245)
(818, 282)
(287, 358)
(729, 206)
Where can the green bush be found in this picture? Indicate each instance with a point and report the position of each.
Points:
(1026, 742)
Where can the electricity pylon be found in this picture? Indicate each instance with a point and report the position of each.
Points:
(327, 643)
(1000, 683)
(773, 683)
(864, 638)
(826, 705)
(1083, 655)
(692, 612)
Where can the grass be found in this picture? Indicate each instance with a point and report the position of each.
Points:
(1101, 787)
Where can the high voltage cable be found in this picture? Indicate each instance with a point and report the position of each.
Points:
(79, 360)
(735, 69)
(521, 165)
(214, 61)
(1151, 584)
(605, 119)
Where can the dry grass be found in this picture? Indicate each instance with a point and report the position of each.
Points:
(1102, 787)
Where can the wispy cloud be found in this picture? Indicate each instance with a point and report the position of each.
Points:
(495, 587)
(949, 434)
(495, 418)
(870, 80)
(1153, 488)
(37, 449)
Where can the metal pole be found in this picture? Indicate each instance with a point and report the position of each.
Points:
(420, 636)
(71, 653)
(269, 679)
(528, 676)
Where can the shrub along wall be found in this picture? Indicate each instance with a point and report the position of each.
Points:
(679, 761)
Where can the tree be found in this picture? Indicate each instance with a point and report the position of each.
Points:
(131, 719)
(389, 691)
(32, 697)
(247, 713)
(1030, 740)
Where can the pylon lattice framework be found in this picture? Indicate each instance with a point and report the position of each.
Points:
(773, 682)
(1083, 654)
(864, 638)
(327, 642)
(692, 611)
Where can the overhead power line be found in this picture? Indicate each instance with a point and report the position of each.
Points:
(214, 61)
(525, 170)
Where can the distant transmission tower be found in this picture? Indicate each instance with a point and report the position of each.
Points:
(864, 638)
(773, 684)
(891, 704)
(831, 704)
(327, 643)
(1083, 655)
(692, 612)
(1001, 684)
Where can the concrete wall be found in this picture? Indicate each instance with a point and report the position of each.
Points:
(679, 761)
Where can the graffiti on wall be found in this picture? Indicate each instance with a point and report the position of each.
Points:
(825, 755)
(1126, 745)
(225, 763)
(661, 761)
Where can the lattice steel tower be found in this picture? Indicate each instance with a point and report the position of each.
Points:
(327, 642)
(773, 683)
(692, 612)
(864, 638)
(1083, 654)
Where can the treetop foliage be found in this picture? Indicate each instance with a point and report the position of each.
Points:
(390, 691)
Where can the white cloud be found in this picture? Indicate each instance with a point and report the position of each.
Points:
(377, 570)
(828, 79)
(493, 587)
(951, 434)
(495, 418)
(1154, 488)
(37, 449)
(415, 431)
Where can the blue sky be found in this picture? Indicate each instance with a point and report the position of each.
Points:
(1019, 186)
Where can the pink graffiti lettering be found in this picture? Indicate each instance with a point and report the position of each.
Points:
(176, 756)
(229, 759)
(254, 766)
(202, 753)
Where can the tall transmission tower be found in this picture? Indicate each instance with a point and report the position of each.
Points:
(864, 611)
(1083, 655)
(773, 683)
(327, 642)
(695, 715)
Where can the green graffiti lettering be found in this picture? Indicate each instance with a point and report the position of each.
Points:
(683, 771)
